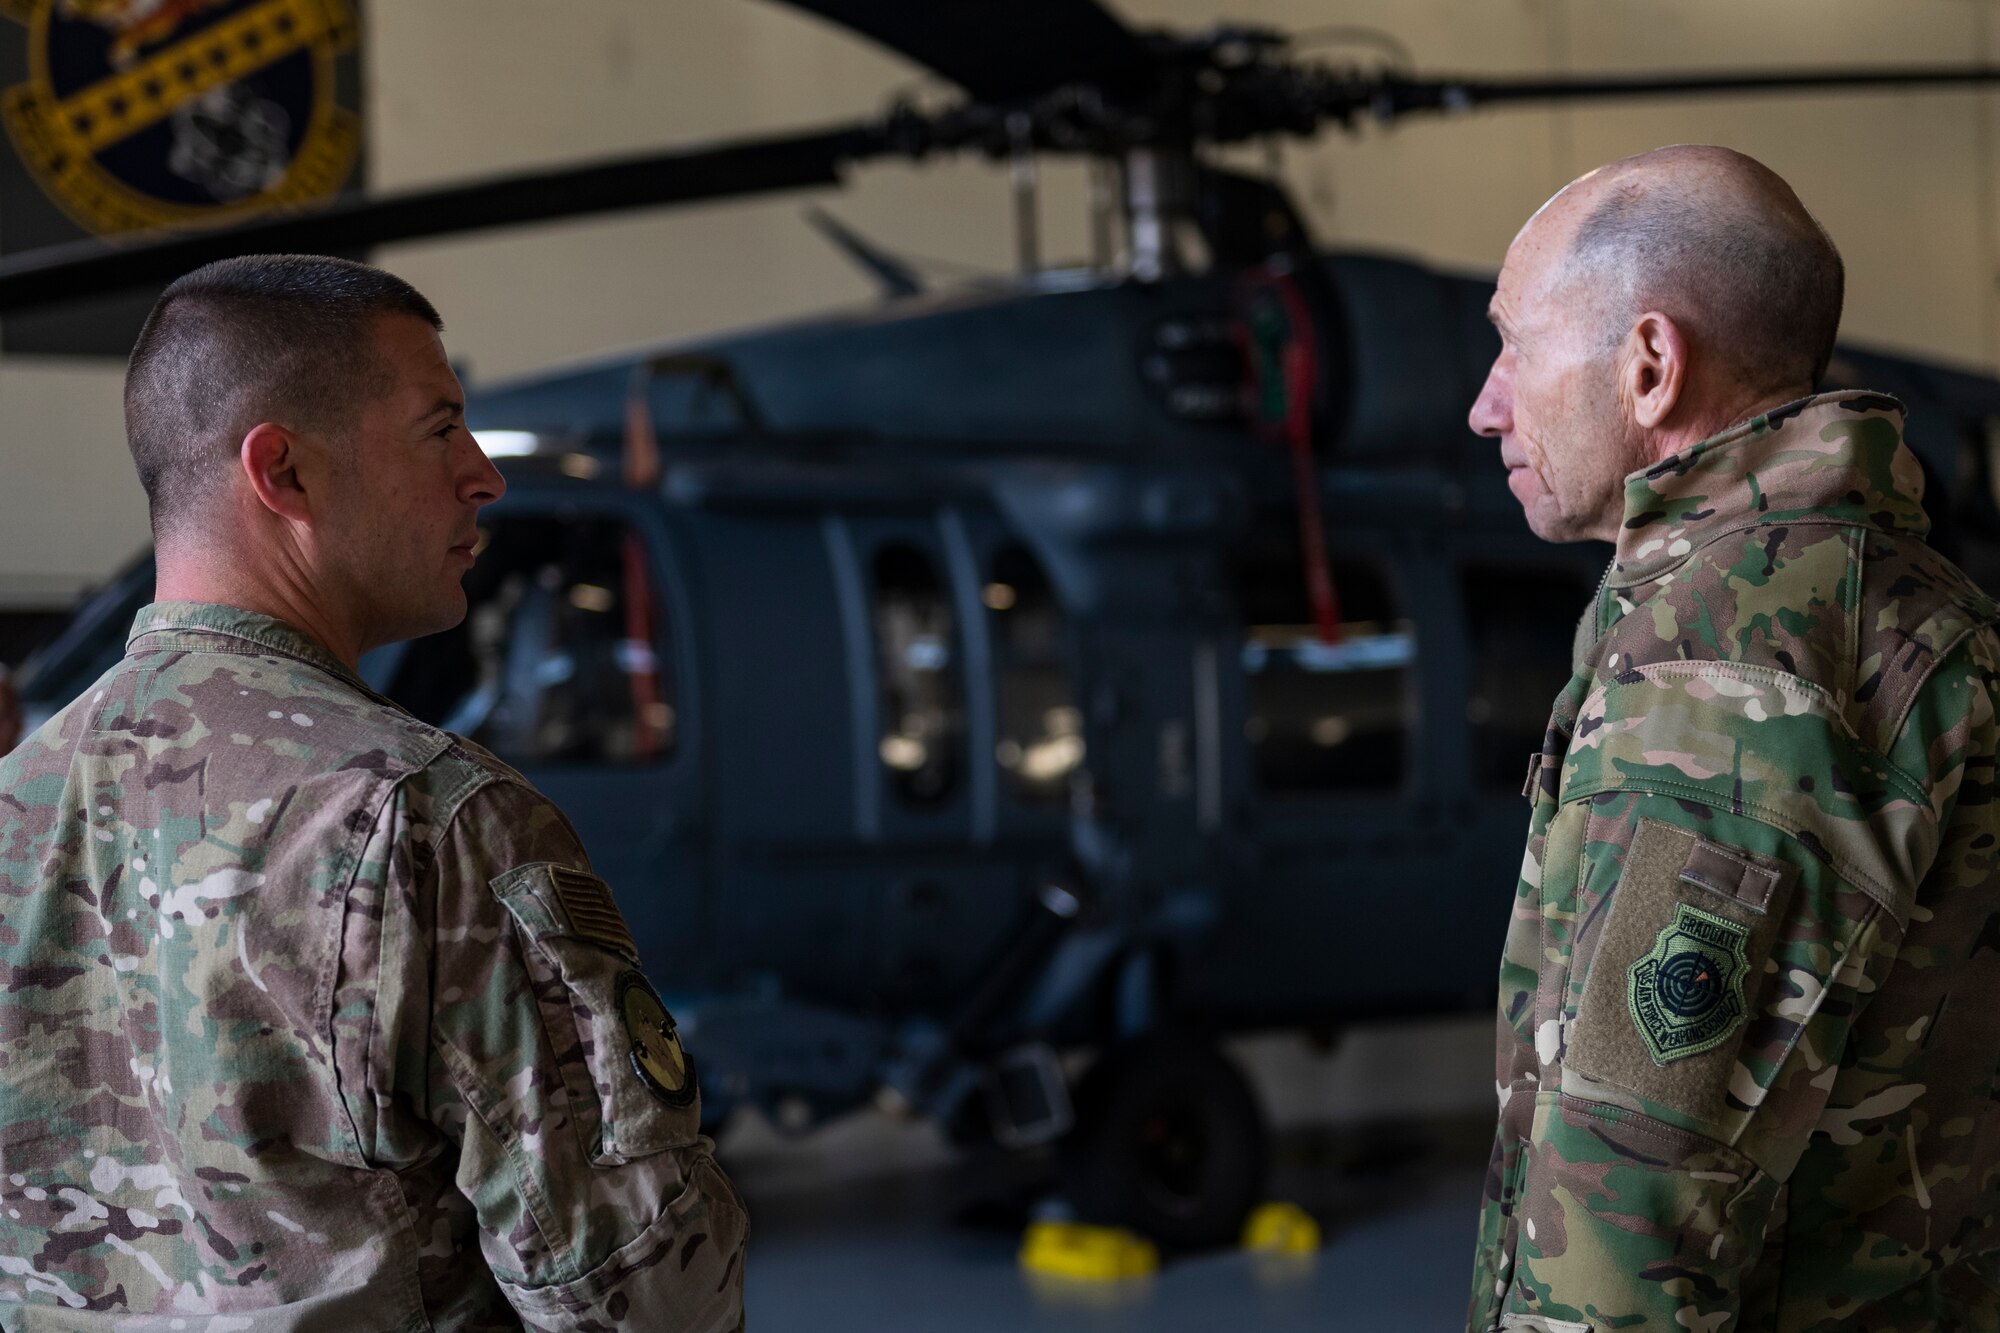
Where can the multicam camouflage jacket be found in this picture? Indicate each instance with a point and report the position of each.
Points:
(1750, 999)
(313, 1017)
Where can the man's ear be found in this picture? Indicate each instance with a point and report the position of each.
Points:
(1655, 372)
(270, 457)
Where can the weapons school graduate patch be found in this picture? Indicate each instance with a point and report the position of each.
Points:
(1686, 995)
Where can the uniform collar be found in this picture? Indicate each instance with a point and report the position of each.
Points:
(1835, 458)
(193, 626)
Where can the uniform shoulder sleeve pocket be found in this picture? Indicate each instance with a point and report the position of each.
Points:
(620, 1054)
(1671, 1003)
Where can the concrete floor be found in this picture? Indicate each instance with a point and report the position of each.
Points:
(868, 1227)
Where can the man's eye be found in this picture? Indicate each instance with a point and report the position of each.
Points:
(444, 432)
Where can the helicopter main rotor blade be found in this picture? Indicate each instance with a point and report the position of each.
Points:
(1003, 50)
(1391, 96)
(86, 268)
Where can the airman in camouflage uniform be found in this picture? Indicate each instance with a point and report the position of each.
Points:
(315, 1017)
(1748, 1020)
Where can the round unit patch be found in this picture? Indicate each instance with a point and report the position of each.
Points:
(1686, 996)
(150, 113)
(657, 1056)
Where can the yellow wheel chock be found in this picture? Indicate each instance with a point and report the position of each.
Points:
(1086, 1253)
(1281, 1228)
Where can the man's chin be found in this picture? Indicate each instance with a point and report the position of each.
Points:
(1550, 523)
(448, 612)
(1544, 519)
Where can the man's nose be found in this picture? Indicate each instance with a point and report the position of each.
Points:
(1491, 412)
(486, 484)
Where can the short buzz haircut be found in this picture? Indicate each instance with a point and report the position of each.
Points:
(288, 339)
(1747, 272)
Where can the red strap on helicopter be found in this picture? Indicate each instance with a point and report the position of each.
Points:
(641, 461)
(1300, 367)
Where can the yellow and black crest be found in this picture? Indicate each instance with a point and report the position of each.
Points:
(149, 113)
(657, 1056)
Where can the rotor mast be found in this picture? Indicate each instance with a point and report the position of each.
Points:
(1159, 202)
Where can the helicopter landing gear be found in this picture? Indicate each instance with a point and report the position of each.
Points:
(1169, 1141)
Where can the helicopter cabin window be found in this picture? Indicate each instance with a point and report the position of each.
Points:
(1040, 741)
(923, 699)
(1328, 712)
(561, 657)
(1519, 625)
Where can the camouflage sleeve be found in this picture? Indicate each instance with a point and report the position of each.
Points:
(559, 1073)
(1723, 883)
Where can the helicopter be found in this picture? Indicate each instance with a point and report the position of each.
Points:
(984, 705)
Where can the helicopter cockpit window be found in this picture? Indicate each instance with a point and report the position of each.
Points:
(1519, 623)
(1326, 715)
(1040, 740)
(923, 699)
(561, 656)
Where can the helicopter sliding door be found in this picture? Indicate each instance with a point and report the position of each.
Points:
(856, 794)
(930, 653)
(1349, 845)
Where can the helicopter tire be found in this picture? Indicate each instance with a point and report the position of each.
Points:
(1169, 1141)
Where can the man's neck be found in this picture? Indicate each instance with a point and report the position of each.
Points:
(1853, 469)
(267, 582)
(1706, 421)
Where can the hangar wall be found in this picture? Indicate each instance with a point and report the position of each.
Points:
(457, 88)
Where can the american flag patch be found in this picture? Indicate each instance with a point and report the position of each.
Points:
(592, 914)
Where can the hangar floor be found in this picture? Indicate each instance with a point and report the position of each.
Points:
(869, 1227)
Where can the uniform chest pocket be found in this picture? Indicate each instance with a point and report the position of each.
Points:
(1681, 977)
(621, 1058)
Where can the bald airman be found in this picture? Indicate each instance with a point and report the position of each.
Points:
(1747, 1030)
